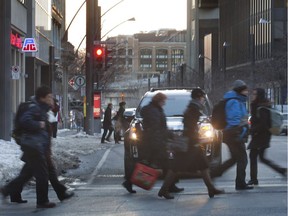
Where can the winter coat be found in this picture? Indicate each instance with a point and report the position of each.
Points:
(190, 120)
(107, 122)
(260, 124)
(120, 120)
(30, 121)
(155, 131)
(236, 117)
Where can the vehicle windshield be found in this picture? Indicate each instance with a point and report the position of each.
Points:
(175, 105)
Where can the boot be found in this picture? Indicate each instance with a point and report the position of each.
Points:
(214, 191)
(128, 185)
(168, 181)
(175, 189)
(209, 184)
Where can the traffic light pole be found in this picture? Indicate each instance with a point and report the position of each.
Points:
(90, 27)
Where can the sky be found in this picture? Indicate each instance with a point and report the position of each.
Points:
(149, 15)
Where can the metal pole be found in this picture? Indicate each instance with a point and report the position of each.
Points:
(224, 65)
(252, 47)
(65, 38)
(149, 85)
(65, 116)
(88, 127)
(169, 78)
(52, 67)
(5, 74)
(182, 74)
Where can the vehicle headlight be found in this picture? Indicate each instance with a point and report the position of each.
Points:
(206, 132)
(133, 133)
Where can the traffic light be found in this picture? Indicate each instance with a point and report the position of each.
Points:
(108, 58)
(99, 56)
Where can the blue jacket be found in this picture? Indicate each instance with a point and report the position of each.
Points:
(236, 112)
(30, 122)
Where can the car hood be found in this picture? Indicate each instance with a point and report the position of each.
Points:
(175, 123)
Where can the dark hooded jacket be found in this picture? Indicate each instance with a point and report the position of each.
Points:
(190, 120)
(30, 122)
(260, 121)
(155, 132)
(107, 122)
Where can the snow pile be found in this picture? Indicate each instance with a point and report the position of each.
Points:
(66, 149)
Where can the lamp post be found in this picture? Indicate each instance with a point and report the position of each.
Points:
(225, 45)
(131, 19)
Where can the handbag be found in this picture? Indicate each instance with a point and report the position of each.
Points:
(178, 144)
(34, 142)
(144, 176)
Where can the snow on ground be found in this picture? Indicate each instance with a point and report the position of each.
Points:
(66, 149)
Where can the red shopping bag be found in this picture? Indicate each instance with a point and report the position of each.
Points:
(144, 176)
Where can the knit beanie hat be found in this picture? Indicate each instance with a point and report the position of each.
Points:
(197, 93)
(239, 85)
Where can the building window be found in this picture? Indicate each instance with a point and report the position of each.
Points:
(146, 59)
(161, 60)
(177, 58)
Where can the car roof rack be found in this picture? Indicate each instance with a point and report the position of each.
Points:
(172, 88)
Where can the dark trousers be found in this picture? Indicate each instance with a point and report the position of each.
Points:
(253, 163)
(238, 156)
(54, 126)
(105, 133)
(27, 173)
(35, 166)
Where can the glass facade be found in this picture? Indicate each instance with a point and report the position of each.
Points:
(43, 25)
(261, 32)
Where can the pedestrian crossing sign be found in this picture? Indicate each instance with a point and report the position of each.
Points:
(29, 45)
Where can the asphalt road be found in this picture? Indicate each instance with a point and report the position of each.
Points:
(101, 193)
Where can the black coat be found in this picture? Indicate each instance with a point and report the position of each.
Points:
(155, 132)
(260, 124)
(191, 117)
(195, 158)
(30, 121)
(107, 122)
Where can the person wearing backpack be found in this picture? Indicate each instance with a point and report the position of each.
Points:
(38, 162)
(235, 133)
(260, 134)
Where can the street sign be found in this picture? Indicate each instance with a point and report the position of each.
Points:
(96, 42)
(80, 81)
(72, 83)
(15, 70)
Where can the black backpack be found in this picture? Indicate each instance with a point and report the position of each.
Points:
(18, 131)
(218, 119)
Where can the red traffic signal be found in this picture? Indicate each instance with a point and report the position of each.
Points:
(99, 56)
(98, 52)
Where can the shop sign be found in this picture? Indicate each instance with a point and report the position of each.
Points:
(15, 40)
(29, 45)
(97, 105)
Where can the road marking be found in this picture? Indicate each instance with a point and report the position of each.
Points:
(99, 165)
(187, 187)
